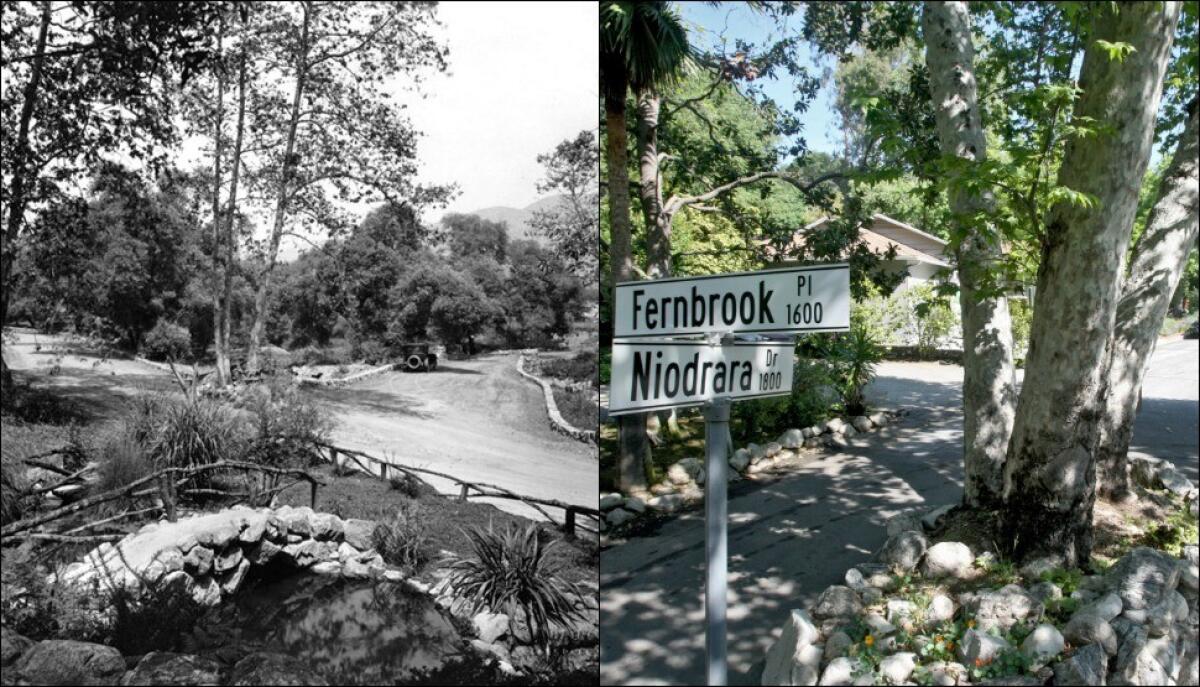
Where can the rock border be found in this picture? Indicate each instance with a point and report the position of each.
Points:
(557, 422)
(343, 381)
(684, 478)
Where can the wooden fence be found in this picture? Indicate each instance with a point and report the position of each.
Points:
(383, 469)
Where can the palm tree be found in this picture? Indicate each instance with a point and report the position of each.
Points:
(642, 45)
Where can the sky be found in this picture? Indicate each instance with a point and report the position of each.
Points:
(523, 77)
(707, 25)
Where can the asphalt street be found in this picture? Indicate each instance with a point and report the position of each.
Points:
(791, 537)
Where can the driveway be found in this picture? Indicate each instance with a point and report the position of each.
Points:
(791, 538)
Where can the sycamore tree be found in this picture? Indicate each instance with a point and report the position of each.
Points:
(572, 169)
(331, 134)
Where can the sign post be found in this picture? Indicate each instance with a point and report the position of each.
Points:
(655, 365)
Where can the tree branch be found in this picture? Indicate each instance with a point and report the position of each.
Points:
(677, 203)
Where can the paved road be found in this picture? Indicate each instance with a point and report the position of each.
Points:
(792, 537)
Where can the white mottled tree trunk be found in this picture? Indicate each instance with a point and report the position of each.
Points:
(989, 382)
(1050, 474)
(1158, 263)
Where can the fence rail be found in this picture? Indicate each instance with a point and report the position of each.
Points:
(467, 490)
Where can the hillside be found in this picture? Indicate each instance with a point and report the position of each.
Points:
(518, 219)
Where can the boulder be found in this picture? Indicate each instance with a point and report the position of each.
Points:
(878, 625)
(837, 645)
(618, 516)
(908, 521)
(167, 668)
(199, 560)
(227, 560)
(266, 668)
(1106, 607)
(1189, 671)
(219, 534)
(255, 527)
(667, 503)
(896, 668)
(1174, 481)
(837, 601)
(325, 526)
(835, 425)
(899, 611)
(1087, 666)
(206, 591)
(12, 645)
(1144, 577)
(772, 449)
(263, 552)
(792, 438)
(682, 472)
(980, 646)
(68, 662)
(1001, 608)
(635, 505)
(814, 432)
(358, 533)
(934, 516)
(1044, 642)
(233, 580)
(1161, 617)
(861, 423)
(739, 460)
(1045, 591)
(876, 575)
(1085, 628)
(1142, 660)
(610, 501)
(840, 671)
(849, 432)
(490, 626)
(791, 660)
(308, 552)
(948, 558)
(871, 596)
(903, 551)
(878, 419)
(947, 673)
(941, 609)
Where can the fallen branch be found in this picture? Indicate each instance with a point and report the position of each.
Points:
(60, 483)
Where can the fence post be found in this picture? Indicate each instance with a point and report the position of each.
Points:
(168, 495)
(313, 497)
(463, 496)
(383, 471)
(569, 524)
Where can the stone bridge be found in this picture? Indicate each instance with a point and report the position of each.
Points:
(209, 555)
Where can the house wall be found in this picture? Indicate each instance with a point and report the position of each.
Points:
(902, 235)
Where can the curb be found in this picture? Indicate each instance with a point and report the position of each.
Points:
(557, 422)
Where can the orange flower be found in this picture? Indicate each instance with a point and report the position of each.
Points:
(949, 646)
(971, 623)
(979, 662)
(869, 640)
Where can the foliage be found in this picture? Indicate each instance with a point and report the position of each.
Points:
(579, 368)
(510, 570)
(13, 483)
(1061, 610)
(572, 224)
(813, 399)
(855, 357)
(167, 341)
(194, 432)
(1179, 530)
(579, 408)
(1011, 661)
(1000, 572)
(401, 540)
(928, 316)
(122, 458)
(287, 424)
(1021, 312)
(1066, 579)
(406, 484)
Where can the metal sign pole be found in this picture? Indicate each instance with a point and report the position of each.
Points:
(716, 484)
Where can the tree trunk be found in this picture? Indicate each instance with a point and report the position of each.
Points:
(223, 371)
(218, 271)
(263, 287)
(1050, 474)
(17, 187)
(1158, 263)
(633, 446)
(989, 381)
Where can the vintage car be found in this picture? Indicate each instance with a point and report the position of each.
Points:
(417, 357)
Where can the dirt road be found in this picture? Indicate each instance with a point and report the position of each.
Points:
(474, 419)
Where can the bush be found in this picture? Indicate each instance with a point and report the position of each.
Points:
(196, 432)
(122, 458)
(509, 571)
(370, 351)
(814, 398)
(854, 358)
(581, 368)
(401, 541)
(287, 424)
(579, 408)
(167, 341)
(406, 484)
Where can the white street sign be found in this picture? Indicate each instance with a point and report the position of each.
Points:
(652, 375)
(787, 300)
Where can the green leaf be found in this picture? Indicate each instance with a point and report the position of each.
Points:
(1116, 51)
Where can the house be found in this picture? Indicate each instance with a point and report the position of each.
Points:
(920, 255)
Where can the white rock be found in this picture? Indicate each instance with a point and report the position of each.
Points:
(789, 660)
(835, 425)
(610, 501)
(934, 517)
(792, 438)
(490, 626)
(772, 449)
(667, 503)
(1086, 628)
(903, 551)
(840, 671)
(739, 460)
(879, 626)
(981, 646)
(903, 522)
(878, 419)
(837, 601)
(757, 453)
(1044, 642)
(837, 645)
(897, 667)
(1106, 607)
(941, 609)
(861, 423)
(948, 558)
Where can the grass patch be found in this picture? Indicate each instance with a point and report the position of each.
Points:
(582, 367)
(401, 540)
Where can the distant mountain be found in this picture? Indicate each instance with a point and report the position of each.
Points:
(518, 219)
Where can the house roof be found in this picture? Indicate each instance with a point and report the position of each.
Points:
(912, 244)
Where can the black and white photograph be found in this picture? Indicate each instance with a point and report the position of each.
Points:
(300, 335)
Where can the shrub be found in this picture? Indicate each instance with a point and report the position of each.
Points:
(814, 398)
(167, 341)
(581, 368)
(287, 424)
(13, 483)
(579, 408)
(510, 570)
(197, 432)
(370, 351)
(854, 357)
(122, 458)
(1179, 529)
(402, 541)
(405, 483)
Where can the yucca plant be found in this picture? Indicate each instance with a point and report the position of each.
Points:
(402, 540)
(510, 570)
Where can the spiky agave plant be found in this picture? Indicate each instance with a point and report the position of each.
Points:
(510, 570)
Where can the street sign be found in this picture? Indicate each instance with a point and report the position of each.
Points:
(787, 300)
(653, 375)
